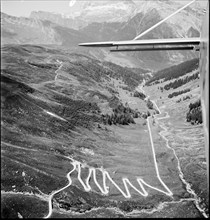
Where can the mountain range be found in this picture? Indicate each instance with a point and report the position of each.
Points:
(104, 21)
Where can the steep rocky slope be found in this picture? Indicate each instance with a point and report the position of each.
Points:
(87, 12)
(19, 30)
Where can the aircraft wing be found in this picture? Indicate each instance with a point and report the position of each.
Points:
(170, 41)
(151, 44)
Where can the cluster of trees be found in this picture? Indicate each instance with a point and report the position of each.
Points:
(180, 82)
(157, 82)
(126, 88)
(178, 93)
(145, 114)
(161, 89)
(139, 94)
(194, 115)
(175, 71)
(121, 115)
(184, 98)
(156, 112)
(123, 119)
(195, 105)
(149, 104)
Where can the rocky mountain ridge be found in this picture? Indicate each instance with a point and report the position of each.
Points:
(122, 11)
(119, 20)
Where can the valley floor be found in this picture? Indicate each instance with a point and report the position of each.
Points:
(144, 154)
(58, 160)
(137, 157)
(187, 142)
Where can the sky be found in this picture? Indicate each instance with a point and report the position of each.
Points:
(24, 7)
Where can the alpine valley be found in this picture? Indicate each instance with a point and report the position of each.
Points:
(88, 133)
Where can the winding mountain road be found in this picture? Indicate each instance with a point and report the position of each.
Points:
(105, 175)
(142, 191)
(104, 189)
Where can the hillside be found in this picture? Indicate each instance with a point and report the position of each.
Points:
(19, 30)
(174, 71)
(52, 105)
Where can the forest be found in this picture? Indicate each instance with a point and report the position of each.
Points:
(139, 94)
(180, 82)
(178, 93)
(174, 71)
(121, 115)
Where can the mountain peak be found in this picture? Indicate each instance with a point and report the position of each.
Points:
(103, 11)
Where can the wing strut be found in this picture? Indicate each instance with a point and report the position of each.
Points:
(159, 23)
(163, 44)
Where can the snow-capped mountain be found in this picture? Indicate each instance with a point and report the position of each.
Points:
(88, 12)
(84, 13)
(106, 11)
